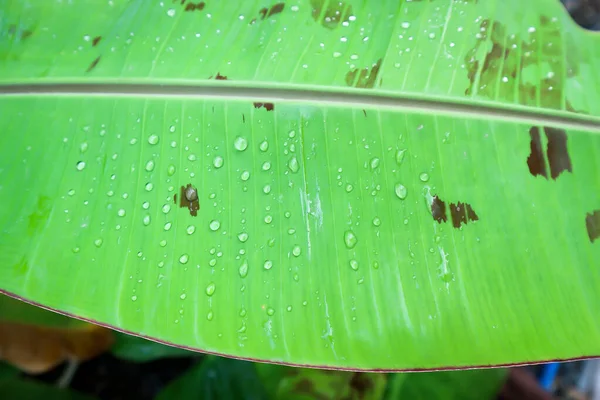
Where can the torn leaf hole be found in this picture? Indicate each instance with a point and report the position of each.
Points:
(557, 153)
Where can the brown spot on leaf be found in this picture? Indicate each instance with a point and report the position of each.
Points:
(188, 197)
(557, 153)
(592, 224)
(96, 40)
(220, 77)
(276, 9)
(267, 106)
(333, 15)
(93, 64)
(558, 156)
(26, 34)
(194, 7)
(535, 161)
(366, 78)
(438, 210)
(462, 213)
(498, 74)
(365, 112)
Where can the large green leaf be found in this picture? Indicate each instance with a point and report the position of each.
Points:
(381, 185)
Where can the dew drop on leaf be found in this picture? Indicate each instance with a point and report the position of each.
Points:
(184, 259)
(350, 239)
(243, 269)
(121, 212)
(400, 191)
(210, 289)
(171, 170)
(374, 163)
(268, 265)
(240, 143)
(296, 251)
(293, 165)
(400, 156)
(98, 242)
(270, 311)
(245, 176)
(214, 225)
(266, 166)
(242, 237)
(190, 229)
(80, 165)
(149, 186)
(183, 296)
(354, 265)
(376, 221)
(153, 139)
(146, 220)
(218, 162)
(424, 177)
(264, 146)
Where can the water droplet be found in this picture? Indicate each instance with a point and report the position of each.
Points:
(245, 176)
(424, 177)
(296, 251)
(296, 277)
(184, 259)
(121, 212)
(350, 239)
(432, 35)
(292, 133)
(266, 166)
(291, 231)
(168, 226)
(150, 166)
(354, 265)
(376, 221)
(264, 146)
(83, 147)
(400, 156)
(289, 308)
(293, 165)
(349, 188)
(98, 242)
(267, 189)
(375, 265)
(243, 269)
(405, 25)
(153, 139)
(190, 229)
(212, 262)
(400, 191)
(162, 243)
(133, 298)
(172, 128)
(268, 219)
(149, 186)
(171, 170)
(243, 236)
(210, 289)
(218, 162)
(268, 264)
(270, 311)
(183, 296)
(243, 312)
(171, 12)
(192, 157)
(80, 165)
(214, 225)
(240, 143)
(209, 316)
(166, 208)
(374, 163)
(146, 220)
(71, 192)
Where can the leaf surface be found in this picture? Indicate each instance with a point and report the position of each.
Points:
(375, 185)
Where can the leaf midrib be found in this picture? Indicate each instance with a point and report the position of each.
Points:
(309, 94)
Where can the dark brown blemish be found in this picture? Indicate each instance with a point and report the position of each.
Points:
(558, 156)
(243, 118)
(365, 112)
(367, 77)
(193, 7)
(93, 64)
(189, 200)
(96, 40)
(26, 34)
(335, 13)
(487, 75)
(267, 12)
(220, 77)
(556, 153)
(175, 198)
(592, 224)
(267, 106)
(462, 213)
(535, 161)
(438, 210)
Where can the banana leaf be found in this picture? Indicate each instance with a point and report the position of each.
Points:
(365, 185)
